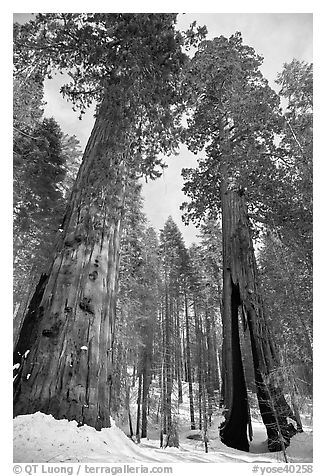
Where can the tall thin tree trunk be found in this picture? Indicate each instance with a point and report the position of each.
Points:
(68, 371)
(203, 361)
(211, 366)
(131, 432)
(204, 411)
(163, 376)
(133, 375)
(189, 376)
(215, 350)
(178, 355)
(146, 383)
(168, 361)
(144, 405)
(199, 365)
(139, 401)
(184, 352)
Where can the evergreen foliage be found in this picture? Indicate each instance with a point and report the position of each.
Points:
(43, 167)
(163, 325)
(236, 119)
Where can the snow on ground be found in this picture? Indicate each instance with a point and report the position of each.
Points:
(39, 438)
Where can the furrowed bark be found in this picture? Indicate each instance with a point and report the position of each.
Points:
(241, 290)
(68, 371)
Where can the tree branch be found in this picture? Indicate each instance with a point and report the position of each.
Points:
(294, 135)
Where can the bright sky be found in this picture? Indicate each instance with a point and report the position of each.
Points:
(278, 37)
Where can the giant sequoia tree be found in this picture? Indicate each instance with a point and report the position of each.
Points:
(235, 117)
(129, 64)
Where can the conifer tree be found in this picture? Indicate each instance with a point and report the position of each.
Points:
(235, 118)
(130, 65)
(174, 263)
(39, 201)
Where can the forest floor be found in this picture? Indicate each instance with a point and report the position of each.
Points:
(39, 438)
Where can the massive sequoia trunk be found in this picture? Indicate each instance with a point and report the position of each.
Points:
(68, 369)
(241, 291)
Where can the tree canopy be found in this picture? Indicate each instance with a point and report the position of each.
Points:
(234, 117)
(132, 62)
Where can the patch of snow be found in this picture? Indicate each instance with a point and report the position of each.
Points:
(16, 366)
(300, 448)
(84, 347)
(27, 376)
(26, 353)
(39, 438)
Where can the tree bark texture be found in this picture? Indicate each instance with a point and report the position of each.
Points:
(241, 291)
(22, 307)
(68, 371)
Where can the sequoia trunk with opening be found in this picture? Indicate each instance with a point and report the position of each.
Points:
(241, 292)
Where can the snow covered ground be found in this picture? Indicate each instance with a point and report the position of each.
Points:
(39, 438)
